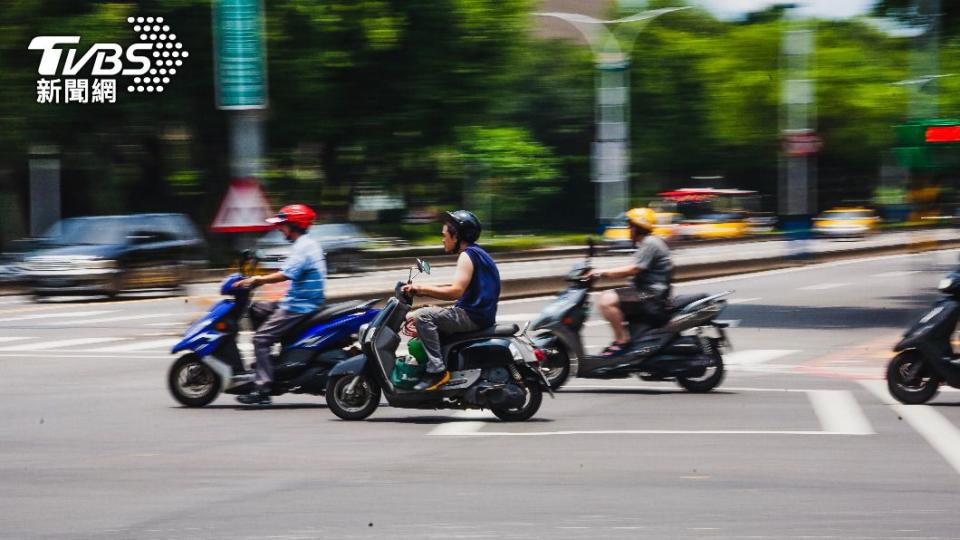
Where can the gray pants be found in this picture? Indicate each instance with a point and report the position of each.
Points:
(270, 332)
(430, 322)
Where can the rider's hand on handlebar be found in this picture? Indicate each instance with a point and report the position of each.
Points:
(410, 289)
(248, 283)
(593, 275)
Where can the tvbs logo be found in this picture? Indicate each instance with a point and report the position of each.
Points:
(151, 63)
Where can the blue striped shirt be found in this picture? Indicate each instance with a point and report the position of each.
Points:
(307, 269)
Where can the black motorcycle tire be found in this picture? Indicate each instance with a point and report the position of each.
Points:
(348, 408)
(529, 408)
(920, 389)
(706, 384)
(558, 366)
(178, 378)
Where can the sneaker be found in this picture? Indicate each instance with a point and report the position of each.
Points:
(257, 397)
(432, 381)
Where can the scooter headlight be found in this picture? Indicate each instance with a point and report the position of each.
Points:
(945, 284)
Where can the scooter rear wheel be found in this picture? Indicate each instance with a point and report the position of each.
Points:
(529, 408)
(711, 378)
(192, 383)
(910, 380)
(354, 403)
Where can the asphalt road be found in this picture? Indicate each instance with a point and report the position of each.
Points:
(800, 441)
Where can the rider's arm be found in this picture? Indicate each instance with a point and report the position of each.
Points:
(461, 279)
(256, 281)
(618, 272)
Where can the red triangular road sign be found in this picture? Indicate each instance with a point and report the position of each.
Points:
(244, 208)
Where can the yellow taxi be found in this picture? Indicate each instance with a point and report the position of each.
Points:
(846, 222)
(617, 234)
(714, 226)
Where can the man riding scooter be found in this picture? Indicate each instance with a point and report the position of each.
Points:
(306, 269)
(475, 287)
(646, 297)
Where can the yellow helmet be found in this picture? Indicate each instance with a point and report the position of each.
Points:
(645, 218)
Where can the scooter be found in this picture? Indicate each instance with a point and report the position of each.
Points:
(211, 363)
(925, 358)
(688, 349)
(495, 368)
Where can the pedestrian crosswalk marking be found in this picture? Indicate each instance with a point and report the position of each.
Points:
(59, 344)
(754, 356)
(73, 314)
(165, 343)
(115, 319)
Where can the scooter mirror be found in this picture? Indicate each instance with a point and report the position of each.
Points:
(423, 266)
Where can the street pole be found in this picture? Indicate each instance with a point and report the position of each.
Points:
(611, 149)
(797, 190)
(925, 62)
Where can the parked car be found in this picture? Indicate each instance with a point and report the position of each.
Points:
(342, 243)
(846, 222)
(113, 254)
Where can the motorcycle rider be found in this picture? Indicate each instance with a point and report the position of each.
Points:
(475, 287)
(306, 268)
(647, 296)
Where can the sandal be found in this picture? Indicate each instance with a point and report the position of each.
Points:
(614, 349)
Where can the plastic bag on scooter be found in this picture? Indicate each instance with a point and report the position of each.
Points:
(407, 370)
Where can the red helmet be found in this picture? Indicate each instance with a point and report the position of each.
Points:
(296, 214)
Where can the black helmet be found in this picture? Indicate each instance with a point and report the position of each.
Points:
(466, 225)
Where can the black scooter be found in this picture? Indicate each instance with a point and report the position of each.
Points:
(495, 368)
(925, 358)
(688, 349)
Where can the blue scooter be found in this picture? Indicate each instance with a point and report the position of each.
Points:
(210, 363)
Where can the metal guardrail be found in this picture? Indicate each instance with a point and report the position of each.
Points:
(551, 284)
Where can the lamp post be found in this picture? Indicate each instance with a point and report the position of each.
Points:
(611, 43)
(797, 191)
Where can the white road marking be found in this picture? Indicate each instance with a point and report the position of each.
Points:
(743, 300)
(58, 344)
(939, 432)
(49, 315)
(140, 345)
(113, 319)
(755, 356)
(839, 412)
(463, 427)
(895, 274)
(645, 432)
(4, 339)
(823, 286)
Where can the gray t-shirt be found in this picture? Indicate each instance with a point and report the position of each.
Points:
(656, 269)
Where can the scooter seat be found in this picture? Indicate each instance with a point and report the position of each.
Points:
(497, 330)
(681, 301)
(324, 314)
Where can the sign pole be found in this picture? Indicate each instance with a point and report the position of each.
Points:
(241, 90)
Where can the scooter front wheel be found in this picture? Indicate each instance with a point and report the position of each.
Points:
(192, 383)
(353, 397)
(910, 380)
(557, 367)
